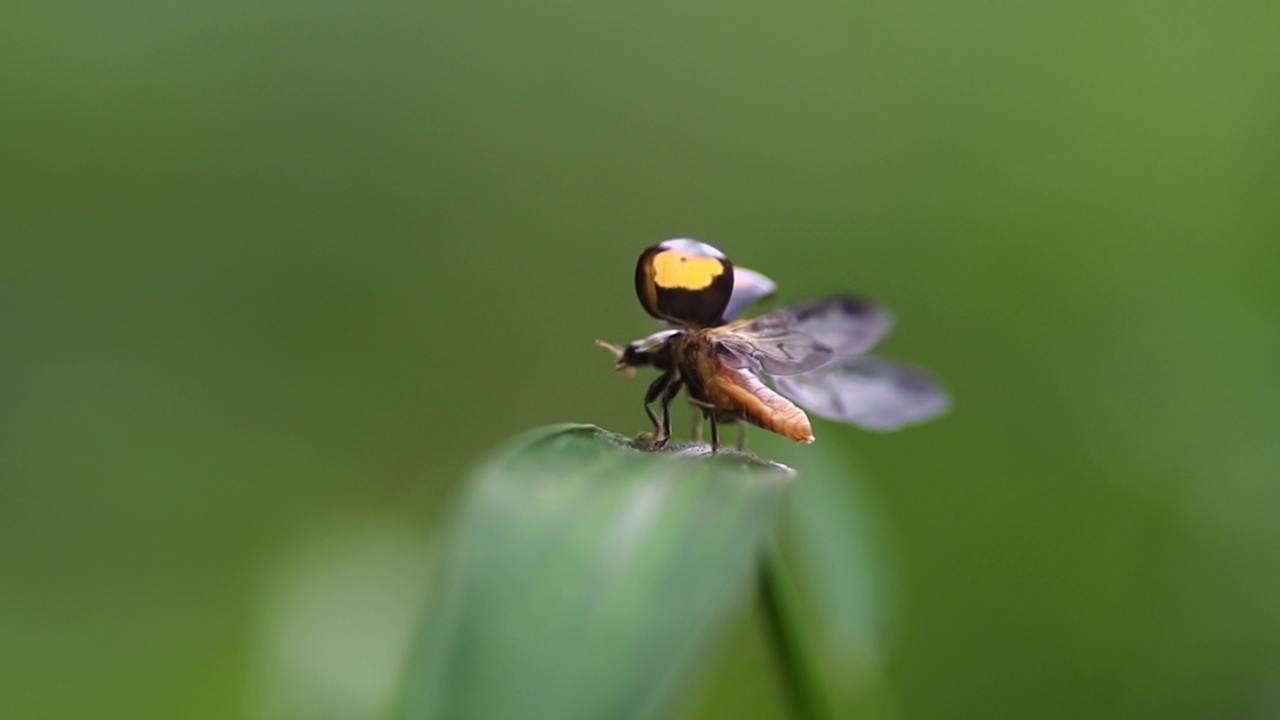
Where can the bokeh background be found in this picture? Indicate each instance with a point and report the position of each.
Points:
(274, 275)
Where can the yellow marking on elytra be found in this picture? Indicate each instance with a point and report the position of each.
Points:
(675, 269)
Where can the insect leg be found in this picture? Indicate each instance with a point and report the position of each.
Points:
(742, 436)
(706, 409)
(715, 433)
(667, 396)
(656, 388)
(696, 432)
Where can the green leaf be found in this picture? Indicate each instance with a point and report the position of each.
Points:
(584, 577)
(841, 541)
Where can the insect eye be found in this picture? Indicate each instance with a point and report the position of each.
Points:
(684, 281)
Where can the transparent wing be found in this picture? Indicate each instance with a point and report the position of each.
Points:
(748, 287)
(776, 351)
(866, 391)
(846, 324)
(799, 338)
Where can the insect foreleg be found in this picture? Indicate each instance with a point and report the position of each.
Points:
(655, 389)
(666, 386)
(667, 396)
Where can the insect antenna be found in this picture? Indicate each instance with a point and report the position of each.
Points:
(617, 351)
(627, 369)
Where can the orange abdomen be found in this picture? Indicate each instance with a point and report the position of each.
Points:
(761, 405)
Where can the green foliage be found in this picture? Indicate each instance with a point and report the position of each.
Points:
(584, 577)
(273, 270)
(837, 536)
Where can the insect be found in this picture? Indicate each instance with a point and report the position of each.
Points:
(812, 352)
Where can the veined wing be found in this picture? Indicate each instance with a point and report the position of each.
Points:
(748, 287)
(802, 337)
(774, 350)
(846, 324)
(866, 391)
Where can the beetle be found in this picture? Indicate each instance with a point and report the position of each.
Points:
(812, 352)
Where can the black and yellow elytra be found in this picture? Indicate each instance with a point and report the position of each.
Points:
(684, 281)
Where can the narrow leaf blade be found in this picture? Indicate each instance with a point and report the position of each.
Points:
(585, 577)
(841, 541)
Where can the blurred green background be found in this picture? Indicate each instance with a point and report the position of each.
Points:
(275, 275)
